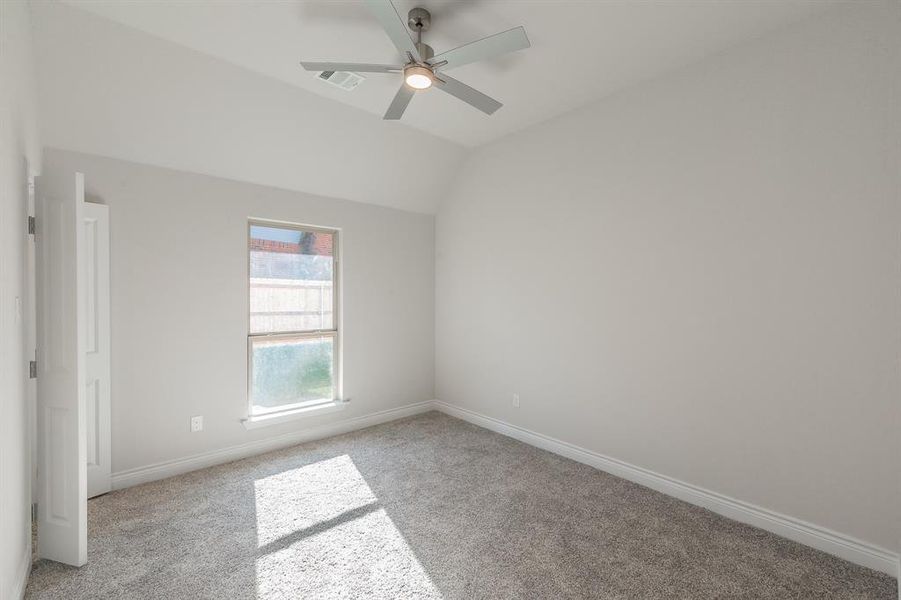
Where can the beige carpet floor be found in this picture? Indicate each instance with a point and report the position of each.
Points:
(429, 507)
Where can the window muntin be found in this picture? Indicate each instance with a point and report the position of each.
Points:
(292, 326)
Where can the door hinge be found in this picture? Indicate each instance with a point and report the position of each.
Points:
(30, 225)
(32, 369)
(34, 512)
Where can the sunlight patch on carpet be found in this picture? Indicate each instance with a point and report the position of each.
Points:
(320, 527)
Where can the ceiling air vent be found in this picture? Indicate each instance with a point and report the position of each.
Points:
(342, 79)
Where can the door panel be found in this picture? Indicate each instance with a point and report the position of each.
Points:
(61, 426)
(97, 347)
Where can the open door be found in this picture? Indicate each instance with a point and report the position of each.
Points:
(61, 424)
(97, 347)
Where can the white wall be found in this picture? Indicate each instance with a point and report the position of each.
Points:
(700, 276)
(114, 91)
(179, 304)
(19, 146)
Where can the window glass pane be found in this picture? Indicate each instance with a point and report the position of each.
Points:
(289, 372)
(291, 279)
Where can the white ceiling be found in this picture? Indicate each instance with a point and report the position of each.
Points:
(107, 89)
(581, 50)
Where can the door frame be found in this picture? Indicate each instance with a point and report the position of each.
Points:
(31, 333)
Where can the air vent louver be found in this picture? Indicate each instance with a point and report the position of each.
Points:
(342, 79)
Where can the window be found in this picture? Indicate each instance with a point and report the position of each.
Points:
(293, 339)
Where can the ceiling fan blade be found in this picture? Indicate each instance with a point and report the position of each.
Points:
(400, 102)
(471, 96)
(358, 67)
(485, 48)
(394, 26)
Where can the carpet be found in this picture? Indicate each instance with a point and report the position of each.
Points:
(429, 507)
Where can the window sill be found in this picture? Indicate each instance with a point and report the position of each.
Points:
(292, 415)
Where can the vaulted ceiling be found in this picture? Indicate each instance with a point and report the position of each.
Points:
(581, 50)
(216, 88)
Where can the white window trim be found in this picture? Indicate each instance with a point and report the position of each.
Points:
(313, 408)
(286, 416)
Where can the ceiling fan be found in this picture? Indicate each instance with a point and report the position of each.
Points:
(421, 65)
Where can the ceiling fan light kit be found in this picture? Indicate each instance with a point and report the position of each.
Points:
(421, 65)
(417, 77)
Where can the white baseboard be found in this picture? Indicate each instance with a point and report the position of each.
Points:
(832, 542)
(20, 580)
(130, 477)
(829, 541)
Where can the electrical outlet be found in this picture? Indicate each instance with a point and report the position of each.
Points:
(196, 424)
(515, 400)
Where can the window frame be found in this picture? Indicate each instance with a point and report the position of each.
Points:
(334, 333)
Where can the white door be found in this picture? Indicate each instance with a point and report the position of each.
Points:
(62, 457)
(97, 347)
